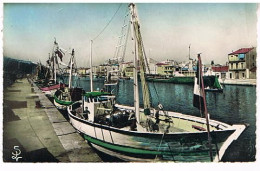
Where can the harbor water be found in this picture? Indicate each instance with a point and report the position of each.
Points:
(236, 105)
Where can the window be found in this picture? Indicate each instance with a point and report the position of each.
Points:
(236, 65)
(243, 75)
(230, 75)
(231, 66)
(253, 64)
(241, 56)
(242, 65)
(253, 57)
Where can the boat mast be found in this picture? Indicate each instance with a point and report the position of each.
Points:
(136, 89)
(189, 51)
(141, 61)
(54, 68)
(54, 60)
(71, 62)
(90, 63)
(205, 106)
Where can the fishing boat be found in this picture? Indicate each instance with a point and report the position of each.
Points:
(151, 134)
(51, 86)
(111, 78)
(216, 87)
(66, 96)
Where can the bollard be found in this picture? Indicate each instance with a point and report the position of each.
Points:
(38, 104)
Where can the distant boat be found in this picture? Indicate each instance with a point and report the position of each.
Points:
(151, 134)
(209, 80)
(66, 96)
(50, 85)
(216, 87)
(112, 78)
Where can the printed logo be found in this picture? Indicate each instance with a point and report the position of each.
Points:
(16, 153)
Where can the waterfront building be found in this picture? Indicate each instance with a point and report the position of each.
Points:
(242, 63)
(165, 69)
(102, 70)
(126, 68)
(128, 72)
(82, 71)
(188, 69)
(152, 66)
(219, 71)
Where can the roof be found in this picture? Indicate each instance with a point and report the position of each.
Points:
(127, 62)
(220, 69)
(241, 51)
(160, 63)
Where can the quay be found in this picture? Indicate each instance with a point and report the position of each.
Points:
(246, 82)
(33, 133)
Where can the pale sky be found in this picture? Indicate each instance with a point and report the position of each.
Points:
(213, 29)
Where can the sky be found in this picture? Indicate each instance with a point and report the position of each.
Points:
(213, 29)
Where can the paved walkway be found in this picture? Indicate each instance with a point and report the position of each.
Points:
(251, 82)
(41, 134)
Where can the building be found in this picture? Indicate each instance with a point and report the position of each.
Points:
(101, 70)
(152, 66)
(126, 69)
(128, 72)
(188, 68)
(82, 71)
(218, 71)
(165, 69)
(242, 63)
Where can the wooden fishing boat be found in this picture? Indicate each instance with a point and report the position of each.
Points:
(53, 87)
(151, 134)
(66, 96)
(48, 79)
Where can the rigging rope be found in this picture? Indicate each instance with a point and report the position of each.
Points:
(149, 71)
(121, 37)
(108, 23)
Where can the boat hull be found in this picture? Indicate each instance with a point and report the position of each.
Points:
(75, 95)
(214, 90)
(53, 87)
(147, 146)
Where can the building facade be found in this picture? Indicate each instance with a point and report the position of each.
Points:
(242, 63)
(165, 69)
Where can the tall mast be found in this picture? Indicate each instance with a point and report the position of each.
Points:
(136, 89)
(90, 63)
(54, 60)
(141, 60)
(54, 65)
(189, 51)
(205, 106)
(71, 62)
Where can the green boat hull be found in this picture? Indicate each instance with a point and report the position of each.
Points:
(208, 80)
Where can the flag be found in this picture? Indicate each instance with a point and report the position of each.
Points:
(59, 53)
(198, 100)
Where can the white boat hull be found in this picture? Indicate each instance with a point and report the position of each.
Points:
(149, 146)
